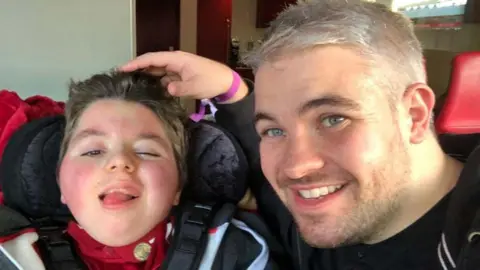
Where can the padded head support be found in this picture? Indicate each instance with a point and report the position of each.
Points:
(28, 169)
(218, 167)
(461, 112)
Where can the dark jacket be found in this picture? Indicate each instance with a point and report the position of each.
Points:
(458, 241)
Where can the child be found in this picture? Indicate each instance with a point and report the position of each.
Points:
(122, 169)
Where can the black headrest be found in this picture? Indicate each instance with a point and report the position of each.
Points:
(217, 167)
(28, 168)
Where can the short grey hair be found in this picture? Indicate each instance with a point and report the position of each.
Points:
(384, 37)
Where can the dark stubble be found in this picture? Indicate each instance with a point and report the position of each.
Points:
(376, 202)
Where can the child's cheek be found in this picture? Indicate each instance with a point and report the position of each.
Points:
(161, 181)
(75, 180)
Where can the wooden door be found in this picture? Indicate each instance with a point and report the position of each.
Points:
(157, 25)
(214, 29)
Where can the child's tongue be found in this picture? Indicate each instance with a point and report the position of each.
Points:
(116, 198)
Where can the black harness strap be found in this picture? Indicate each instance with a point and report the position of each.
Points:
(191, 237)
(57, 250)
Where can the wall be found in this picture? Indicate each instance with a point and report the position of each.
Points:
(244, 14)
(440, 46)
(45, 43)
(465, 39)
(188, 25)
(188, 36)
(243, 23)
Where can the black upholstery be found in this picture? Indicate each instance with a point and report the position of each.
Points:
(217, 165)
(459, 146)
(28, 168)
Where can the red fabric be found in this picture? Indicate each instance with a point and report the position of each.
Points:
(461, 112)
(100, 257)
(14, 112)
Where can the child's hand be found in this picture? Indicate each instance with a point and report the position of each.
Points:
(188, 75)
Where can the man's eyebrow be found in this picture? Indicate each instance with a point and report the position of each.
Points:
(259, 116)
(329, 100)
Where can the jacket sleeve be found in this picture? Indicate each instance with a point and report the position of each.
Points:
(247, 245)
(237, 118)
(19, 249)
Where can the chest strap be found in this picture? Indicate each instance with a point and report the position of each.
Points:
(190, 236)
(58, 250)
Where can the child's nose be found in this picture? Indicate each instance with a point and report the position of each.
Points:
(121, 162)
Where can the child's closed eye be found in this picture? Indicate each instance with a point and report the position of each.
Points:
(92, 153)
(147, 154)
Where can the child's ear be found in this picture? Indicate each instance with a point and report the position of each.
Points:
(62, 199)
(176, 201)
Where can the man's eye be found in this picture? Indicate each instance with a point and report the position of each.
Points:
(92, 153)
(273, 132)
(332, 121)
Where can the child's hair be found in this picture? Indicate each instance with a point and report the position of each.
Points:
(135, 87)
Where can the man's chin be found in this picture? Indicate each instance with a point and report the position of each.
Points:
(322, 235)
(320, 241)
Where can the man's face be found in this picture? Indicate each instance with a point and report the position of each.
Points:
(331, 146)
(119, 175)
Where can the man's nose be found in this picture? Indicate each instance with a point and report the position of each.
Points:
(121, 162)
(303, 157)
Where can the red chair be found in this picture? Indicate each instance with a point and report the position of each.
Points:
(461, 112)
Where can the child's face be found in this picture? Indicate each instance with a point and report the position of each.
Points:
(119, 176)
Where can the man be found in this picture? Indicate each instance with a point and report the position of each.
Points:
(347, 144)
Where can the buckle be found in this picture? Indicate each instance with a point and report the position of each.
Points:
(194, 228)
(199, 214)
(54, 242)
(53, 235)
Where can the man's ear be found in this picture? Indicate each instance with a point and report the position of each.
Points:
(419, 100)
(62, 199)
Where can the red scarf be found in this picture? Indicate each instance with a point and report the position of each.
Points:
(130, 257)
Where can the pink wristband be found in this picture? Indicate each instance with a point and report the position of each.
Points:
(233, 89)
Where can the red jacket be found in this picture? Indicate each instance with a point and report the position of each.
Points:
(145, 254)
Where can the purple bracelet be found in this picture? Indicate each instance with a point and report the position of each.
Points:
(221, 98)
(233, 89)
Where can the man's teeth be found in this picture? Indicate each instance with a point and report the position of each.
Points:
(318, 192)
